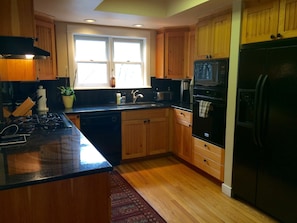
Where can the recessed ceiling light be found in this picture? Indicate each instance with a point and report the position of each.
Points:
(138, 25)
(89, 20)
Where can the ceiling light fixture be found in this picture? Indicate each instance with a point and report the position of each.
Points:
(138, 25)
(90, 20)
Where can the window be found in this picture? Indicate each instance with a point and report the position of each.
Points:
(98, 58)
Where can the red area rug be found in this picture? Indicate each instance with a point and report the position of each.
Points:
(127, 206)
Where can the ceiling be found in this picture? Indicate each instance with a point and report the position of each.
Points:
(152, 14)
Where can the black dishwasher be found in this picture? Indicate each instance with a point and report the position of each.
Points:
(103, 130)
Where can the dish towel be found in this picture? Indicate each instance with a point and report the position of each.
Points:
(204, 108)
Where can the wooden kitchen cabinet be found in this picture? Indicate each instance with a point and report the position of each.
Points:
(75, 118)
(209, 158)
(182, 139)
(17, 18)
(190, 57)
(145, 132)
(213, 36)
(79, 199)
(46, 69)
(265, 20)
(171, 53)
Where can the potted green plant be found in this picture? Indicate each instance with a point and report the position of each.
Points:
(68, 96)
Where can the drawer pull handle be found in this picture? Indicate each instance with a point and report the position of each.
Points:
(206, 146)
(182, 114)
(205, 161)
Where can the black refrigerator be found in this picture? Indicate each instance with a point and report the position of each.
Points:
(265, 147)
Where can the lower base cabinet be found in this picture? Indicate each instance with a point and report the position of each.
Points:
(75, 118)
(209, 158)
(182, 136)
(145, 132)
(75, 200)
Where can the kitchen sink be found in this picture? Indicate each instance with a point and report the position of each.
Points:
(142, 104)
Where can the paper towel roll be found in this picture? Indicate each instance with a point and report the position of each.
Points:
(42, 101)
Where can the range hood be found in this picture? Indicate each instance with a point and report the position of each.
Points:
(15, 47)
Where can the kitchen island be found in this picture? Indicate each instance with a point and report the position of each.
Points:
(56, 176)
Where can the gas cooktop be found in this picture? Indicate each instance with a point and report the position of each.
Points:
(27, 124)
(17, 129)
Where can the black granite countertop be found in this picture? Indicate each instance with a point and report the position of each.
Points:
(124, 107)
(49, 155)
(114, 107)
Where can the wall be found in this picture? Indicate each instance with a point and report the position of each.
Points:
(62, 45)
(232, 85)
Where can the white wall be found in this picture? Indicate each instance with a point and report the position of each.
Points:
(231, 104)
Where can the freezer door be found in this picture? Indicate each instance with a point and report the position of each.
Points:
(246, 153)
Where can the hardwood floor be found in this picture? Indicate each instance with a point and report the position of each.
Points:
(181, 195)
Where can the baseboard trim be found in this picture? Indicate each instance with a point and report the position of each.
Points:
(226, 190)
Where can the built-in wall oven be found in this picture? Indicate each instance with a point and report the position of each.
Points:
(210, 101)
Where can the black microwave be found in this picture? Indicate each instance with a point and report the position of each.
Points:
(211, 72)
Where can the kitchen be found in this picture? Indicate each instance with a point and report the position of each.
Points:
(226, 187)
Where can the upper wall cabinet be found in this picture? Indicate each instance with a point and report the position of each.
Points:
(171, 53)
(45, 34)
(17, 18)
(213, 36)
(265, 20)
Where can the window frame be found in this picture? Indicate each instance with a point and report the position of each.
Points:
(111, 32)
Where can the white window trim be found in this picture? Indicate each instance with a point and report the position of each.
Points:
(107, 31)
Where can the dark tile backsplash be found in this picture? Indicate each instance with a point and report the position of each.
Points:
(16, 92)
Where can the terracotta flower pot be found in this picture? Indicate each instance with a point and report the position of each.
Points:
(68, 101)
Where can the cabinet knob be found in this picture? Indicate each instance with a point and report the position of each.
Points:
(279, 36)
(272, 36)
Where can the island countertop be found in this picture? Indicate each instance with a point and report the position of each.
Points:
(49, 155)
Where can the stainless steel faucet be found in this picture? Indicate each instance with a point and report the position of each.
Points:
(135, 95)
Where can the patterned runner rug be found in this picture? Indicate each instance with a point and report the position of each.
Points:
(127, 206)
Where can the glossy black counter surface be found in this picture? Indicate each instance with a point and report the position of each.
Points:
(119, 108)
(49, 155)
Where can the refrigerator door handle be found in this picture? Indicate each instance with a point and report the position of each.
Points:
(257, 111)
(263, 110)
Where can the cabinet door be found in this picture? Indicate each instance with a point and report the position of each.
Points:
(134, 139)
(287, 25)
(17, 18)
(160, 48)
(259, 21)
(203, 39)
(17, 70)
(158, 136)
(183, 134)
(183, 141)
(175, 54)
(45, 33)
(221, 26)
(75, 119)
(190, 54)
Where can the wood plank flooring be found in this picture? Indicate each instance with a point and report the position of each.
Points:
(181, 195)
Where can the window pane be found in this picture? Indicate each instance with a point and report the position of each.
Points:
(127, 51)
(90, 50)
(128, 75)
(92, 74)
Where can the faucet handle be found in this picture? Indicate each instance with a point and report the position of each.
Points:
(134, 92)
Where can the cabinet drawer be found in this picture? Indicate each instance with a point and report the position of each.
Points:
(183, 116)
(209, 150)
(144, 114)
(209, 166)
